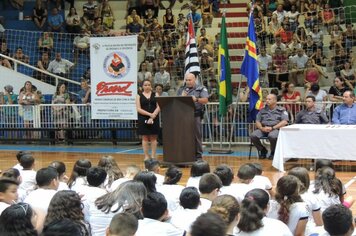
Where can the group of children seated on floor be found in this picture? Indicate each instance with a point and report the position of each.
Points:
(101, 200)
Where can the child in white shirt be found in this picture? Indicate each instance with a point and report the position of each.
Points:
(197, 170)
(28, 175)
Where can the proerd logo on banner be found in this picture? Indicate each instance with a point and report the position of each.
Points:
(116, 65)
(114, 88)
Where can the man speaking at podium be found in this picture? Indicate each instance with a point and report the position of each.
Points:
(200, 97)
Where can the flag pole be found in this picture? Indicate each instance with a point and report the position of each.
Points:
(222, 117)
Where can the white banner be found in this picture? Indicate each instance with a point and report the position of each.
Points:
(113, 62)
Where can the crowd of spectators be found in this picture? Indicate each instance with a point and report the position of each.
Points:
(103, 200)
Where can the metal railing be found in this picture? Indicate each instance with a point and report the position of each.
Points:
(45, 122)
(56, 77)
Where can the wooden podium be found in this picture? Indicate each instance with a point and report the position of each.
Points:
(178, 127)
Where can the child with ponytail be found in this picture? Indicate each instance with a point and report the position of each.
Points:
(290, 208)
(253, 220)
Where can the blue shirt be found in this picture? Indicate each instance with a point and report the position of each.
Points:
(55, 20)
(344, 115)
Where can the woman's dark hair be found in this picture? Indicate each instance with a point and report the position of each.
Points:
(59, 166)
(315, 88)
(63, 227)
(173, 175)
(287, 193)
(11, 173)
(252, 210)
(80, 168)
(199, 168)
(16, 221)
(303, 175)
(113, 171)
(148, 178)
(59, 87)
(320, 163)
(127, 197)
(67, 204)
(226, 206)
(325, 180)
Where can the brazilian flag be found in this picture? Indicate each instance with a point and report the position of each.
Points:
(225, 91)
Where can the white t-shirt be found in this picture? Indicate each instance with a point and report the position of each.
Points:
(40, 198)
(160, 179)
(297, 211)
(62, 186)
(157, 228)
(3, 206)
(184, 218)
(98, 220)
(299, 61)
(193, 182)
(261, 182)
(238, 190)
(117, 183)
(312, 202)
(18, 166)
(205, 205)
(28, 183)
(264, 62)
(79, 183)
(325, 200)
(171, 192)
(270, 227)
(274, 46)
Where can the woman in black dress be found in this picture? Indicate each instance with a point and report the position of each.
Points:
(148, 122)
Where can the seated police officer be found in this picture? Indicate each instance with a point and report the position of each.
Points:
(312, 114)
(268, 122)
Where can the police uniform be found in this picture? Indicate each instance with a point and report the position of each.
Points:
(317, 116)
(268, 118)
(199, 92)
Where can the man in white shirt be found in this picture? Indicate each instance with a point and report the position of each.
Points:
(154, 209)
(209, 187)
(278, 44)
(298, 61)
(47, 181)
(163, 77)
(264, 65)
(81, 45)
(60, 66)
(280, 13)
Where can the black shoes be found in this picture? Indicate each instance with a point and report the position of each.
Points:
(270, 157)
(263, 153)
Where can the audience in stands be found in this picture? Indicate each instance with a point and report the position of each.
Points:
(55, 21)
(106, 13)
(19, 55)
(73, 21)
(60, 117)
(60, 66)
(42, 64)
(81, 45)
(169, 20)
(39, 15)
(90, 12)
(319, 94)
(206, 13)
(45, 43)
